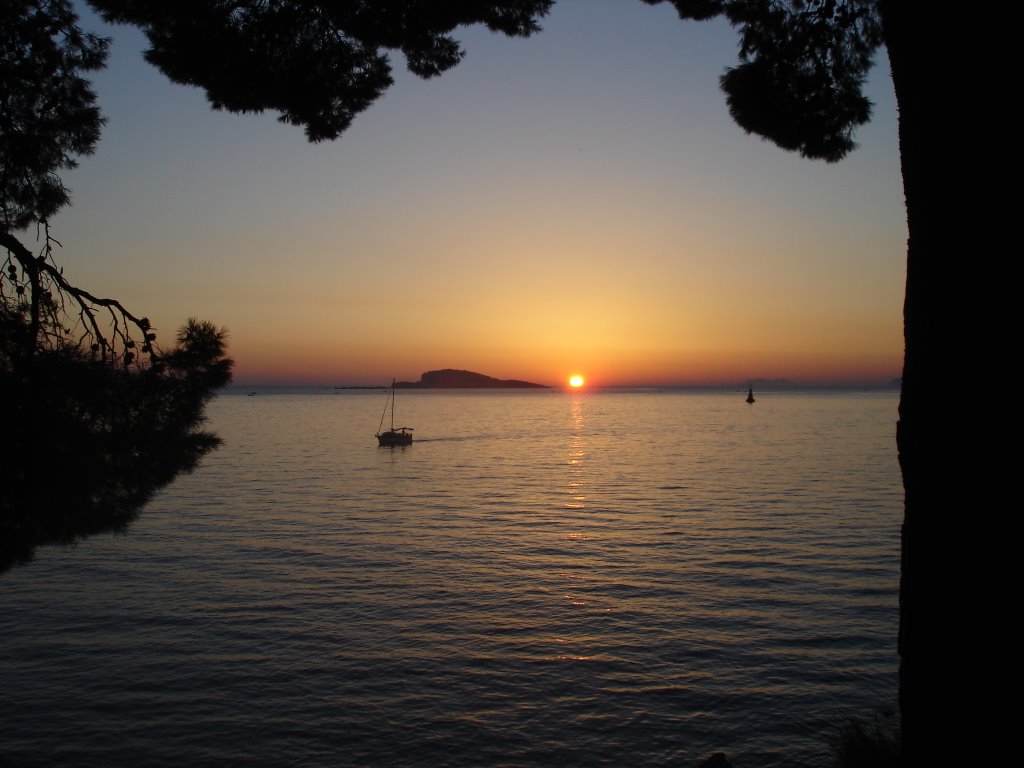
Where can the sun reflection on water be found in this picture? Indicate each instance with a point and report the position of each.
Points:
(575, 483)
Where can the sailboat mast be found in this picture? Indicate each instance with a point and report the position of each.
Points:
(392, 438)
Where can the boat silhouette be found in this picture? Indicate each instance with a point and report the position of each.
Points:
(394, 435)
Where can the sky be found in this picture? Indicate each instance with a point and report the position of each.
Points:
(575, 202)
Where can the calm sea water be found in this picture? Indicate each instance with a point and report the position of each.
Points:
(620, 578)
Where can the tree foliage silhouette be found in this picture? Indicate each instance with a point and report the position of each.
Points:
(96, 415)
(49, 114)
(317, 63)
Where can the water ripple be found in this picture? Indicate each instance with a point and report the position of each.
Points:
(533, 582)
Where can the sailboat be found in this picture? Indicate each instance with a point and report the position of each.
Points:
(750, 393)
(395, 435)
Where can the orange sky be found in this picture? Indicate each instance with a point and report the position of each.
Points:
(579, 201)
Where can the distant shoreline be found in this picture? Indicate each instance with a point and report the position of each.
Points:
(453, 378)
(726, 388)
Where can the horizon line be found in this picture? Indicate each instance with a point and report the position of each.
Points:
(764, 384)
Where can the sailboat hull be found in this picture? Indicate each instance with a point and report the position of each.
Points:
(394, 437)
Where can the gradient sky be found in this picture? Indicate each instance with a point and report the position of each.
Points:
(577, 201)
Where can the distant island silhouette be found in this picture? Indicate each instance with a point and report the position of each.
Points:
(449, 378)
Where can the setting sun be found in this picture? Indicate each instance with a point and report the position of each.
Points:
(575, 380)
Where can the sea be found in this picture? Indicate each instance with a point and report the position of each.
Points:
(634, 577)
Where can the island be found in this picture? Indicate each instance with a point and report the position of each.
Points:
(449, 378)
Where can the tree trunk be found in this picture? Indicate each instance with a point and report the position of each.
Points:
(959, 97)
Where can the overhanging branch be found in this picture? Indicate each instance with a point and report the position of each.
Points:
(118, 339)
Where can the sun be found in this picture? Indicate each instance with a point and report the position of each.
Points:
(576, 381)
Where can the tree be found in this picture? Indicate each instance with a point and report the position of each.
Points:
(96, 415)
(957, 82)
(317, 63)
(49, 110)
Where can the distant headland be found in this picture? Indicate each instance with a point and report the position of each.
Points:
(449, 378)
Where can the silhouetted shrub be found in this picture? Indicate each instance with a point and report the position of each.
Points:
(86, 443)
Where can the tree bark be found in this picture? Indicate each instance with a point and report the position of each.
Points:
(959, 97)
